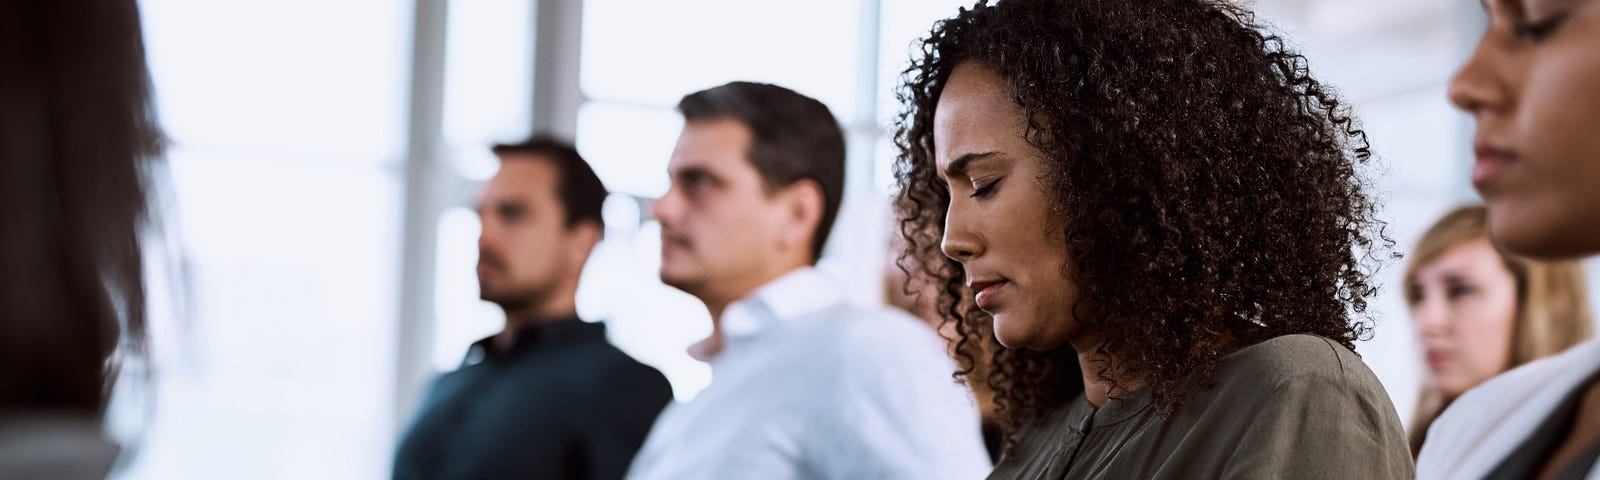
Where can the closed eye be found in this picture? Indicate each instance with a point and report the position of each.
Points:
(511, 213)
(1540, 30)
(986, 190)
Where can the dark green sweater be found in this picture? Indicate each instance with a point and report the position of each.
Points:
(1296, 406)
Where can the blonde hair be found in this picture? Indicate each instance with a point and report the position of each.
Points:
(1552, 306)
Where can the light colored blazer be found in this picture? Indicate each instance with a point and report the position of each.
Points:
(1487, 423)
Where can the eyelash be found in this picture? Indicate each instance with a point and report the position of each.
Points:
(985, 191)
(1540, 30)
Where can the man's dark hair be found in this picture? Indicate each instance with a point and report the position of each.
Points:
(582, 195)
(795, 138)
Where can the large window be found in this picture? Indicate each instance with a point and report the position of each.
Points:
(288, 131)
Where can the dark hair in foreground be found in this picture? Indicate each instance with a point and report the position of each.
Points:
(795, 138)
(77, 135)
(1204, 183)
(582, 195)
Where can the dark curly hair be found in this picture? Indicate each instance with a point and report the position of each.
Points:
(1205, 184)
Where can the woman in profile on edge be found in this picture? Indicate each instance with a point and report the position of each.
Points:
(1531, 87)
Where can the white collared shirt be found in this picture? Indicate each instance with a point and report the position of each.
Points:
(1487, 423)
(810, 387)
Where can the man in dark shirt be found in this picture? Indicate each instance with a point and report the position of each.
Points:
(547, 397)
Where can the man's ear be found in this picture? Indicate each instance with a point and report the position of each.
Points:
(584, 236)
(803, 205)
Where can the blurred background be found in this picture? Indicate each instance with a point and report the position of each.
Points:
(326, 155)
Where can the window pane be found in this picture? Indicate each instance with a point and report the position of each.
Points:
(654, 52)
(303, 78)
(629, 146)
(460, 317)
(287, 119)
(292, 337)
(487, 80)
(903, 22)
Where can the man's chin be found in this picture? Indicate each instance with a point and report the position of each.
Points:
(671, 280)
(679, 280)
(506, 302)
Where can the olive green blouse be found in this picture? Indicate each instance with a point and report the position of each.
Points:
(1296, 406)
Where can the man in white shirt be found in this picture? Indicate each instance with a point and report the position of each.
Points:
(804, 385)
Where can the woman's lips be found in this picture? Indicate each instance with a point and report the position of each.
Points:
(985, 292)
(1437, 359)
(1491, 163)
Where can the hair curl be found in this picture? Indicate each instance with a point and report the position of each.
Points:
(1205, 184)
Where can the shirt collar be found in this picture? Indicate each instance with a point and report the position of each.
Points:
(538, 335)
(791, 297)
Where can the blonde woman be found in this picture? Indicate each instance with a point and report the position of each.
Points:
(1479, 311)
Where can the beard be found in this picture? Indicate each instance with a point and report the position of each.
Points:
(513, 295)
(515, 292)
(514, 299)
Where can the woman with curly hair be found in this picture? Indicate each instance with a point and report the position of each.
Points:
(1159, 213)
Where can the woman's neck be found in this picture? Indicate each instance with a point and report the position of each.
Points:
(1098, 388)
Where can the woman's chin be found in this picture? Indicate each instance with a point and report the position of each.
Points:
(1448, 387)
(1016, 333)
(1009, 333)
(1540, 233)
